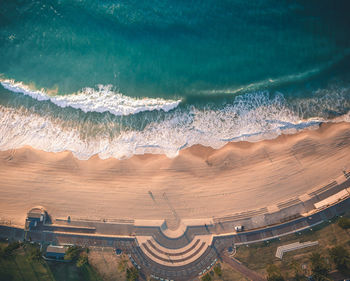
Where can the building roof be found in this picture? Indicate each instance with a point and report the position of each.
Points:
(35, 213)
(56, 249)
(292, 247)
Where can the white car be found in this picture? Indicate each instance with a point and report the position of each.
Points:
(239, 228)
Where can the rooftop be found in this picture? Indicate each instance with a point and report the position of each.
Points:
(56, 249)
(36, 212)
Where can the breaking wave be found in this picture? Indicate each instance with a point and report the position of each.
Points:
(167, 129)
(252, 117)
(101, 99)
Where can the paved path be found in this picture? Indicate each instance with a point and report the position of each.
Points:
(250, 274)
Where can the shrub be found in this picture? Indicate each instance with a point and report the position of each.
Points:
(217, 270)
(34, 253)
(132, 274)
(344, 222)
(341, 258)
(206, 277)
(83, 260)
(73, 253)
(122, 264)
(10, 248)
(319, 267)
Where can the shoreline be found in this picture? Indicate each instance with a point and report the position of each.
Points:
(319, 126)
(49, 129)
(200, 182)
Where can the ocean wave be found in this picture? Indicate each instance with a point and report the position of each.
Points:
(101, 99)
(256, 86)
(278, 81)
(251, 117)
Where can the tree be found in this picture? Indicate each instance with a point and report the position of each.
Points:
(132, 274)
(83, 260)
(341, 258)
(34, 253)
(206, 277)
(319, 267)
(344, 222)
(9, 249)
(274, 273)
(73, 253)
(217, 270)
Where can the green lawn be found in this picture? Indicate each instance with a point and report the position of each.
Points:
(328, 234)
(228, 274)
(19, 266)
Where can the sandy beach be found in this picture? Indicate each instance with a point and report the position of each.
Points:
(200, 183)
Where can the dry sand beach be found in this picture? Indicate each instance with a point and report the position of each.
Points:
(200, 183)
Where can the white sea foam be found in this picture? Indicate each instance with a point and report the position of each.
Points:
(252, 119)
(102, 99)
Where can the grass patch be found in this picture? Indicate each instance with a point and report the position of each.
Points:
(223, 272)
(329, 234)
(228, 274)
(110, 266)
(23, 265)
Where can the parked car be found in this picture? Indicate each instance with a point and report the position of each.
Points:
(239, 228)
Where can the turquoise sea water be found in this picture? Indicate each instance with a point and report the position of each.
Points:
(119, 78)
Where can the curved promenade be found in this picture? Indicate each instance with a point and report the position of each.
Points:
(174, 257)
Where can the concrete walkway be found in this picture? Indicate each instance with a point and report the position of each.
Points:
(174, 257)
(281, 250)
